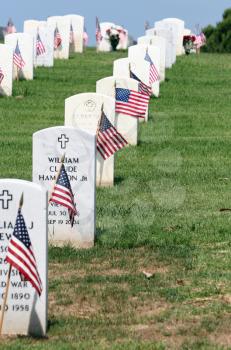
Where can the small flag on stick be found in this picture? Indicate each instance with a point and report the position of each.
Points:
(20, 253)
(17, 58)
(144, 88)
(131, 102)
(109, 140)
(40, 48)
(62, 193)
(71, 39)
(153, 72)
(98, 33)
(57, 39)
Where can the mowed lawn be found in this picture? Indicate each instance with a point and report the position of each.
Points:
(163, 215)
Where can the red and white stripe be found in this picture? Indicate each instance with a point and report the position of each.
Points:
(109, 142)
(153, 74)
(136, 106)
(18, 61)
(58, 40)
(145, 89)
(40, 48)
(23, 260)
(61, 195)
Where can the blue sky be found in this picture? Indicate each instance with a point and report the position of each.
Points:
(129, 13)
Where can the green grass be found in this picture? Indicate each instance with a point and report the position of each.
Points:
(161, 216)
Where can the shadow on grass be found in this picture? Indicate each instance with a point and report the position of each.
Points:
(119, 180)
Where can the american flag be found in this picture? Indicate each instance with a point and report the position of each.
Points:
(131, 102)
(10, 28)
(98, 31)
(20, 254)
(153, 72)
(1, 75)
(40, 48)
(17, 58)
(71, 39)
(63, 195)
(109, 140)
(57, 39)
(145, 89)
(85, 37)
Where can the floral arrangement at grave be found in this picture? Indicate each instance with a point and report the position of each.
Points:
(200, 42)
(114, 37)
(188, 43)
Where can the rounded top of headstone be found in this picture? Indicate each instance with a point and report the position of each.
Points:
(74, 16)
(174, 20)
(81, 132)
(22, 183)
(89, 96)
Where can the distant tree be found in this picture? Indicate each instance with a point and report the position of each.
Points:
(219, 37)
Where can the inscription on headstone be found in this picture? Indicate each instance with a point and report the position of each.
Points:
(78, 148)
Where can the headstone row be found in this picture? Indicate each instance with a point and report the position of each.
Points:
(69, 161)
(39, 44)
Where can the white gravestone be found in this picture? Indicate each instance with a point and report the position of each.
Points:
(78, 30)
(124, 66)
(105, 45)
(178, 26)
(167, 35)
(6, 65)
(49, 145)
(63, 24)
(25, 312)
(47, 37)
(137, 54)
(84, 111)
(159, 42)
(126, 125)
(26, 47)
(167, 31)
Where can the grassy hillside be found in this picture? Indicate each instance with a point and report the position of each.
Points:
(162, 216)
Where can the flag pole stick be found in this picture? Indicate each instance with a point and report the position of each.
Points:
(8, 282)
(56, 177)
(99, 122)
(17, 74)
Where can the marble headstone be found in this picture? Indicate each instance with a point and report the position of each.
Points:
(25, 312)
(126, 125)
(178, 27)
(6, 65)
(49, 145)
(167, 31)
(78, 29)
(63, 24)
(137, 54)
(46, 34)
(26, 46)
(84, 111)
